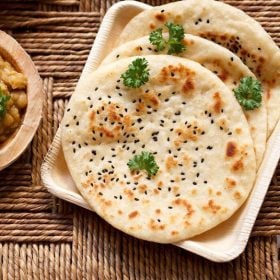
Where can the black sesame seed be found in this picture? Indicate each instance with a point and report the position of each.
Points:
(68, 110)
(100, 193)
(209, 147)
(196, 148)
(172, 181)
(136, 199)
(159, 220)
(212, 121)
(178, 113)
(67, 125)
(115, 197)
(197, 174)
(230, 133)
(117, 87)
(202, 160)
(166, 100)
(169, 189)
(120, 195)
(117, 56)
(205, 182)
(195, 183)
(73, 143)
(207, 21)
(88, 98)
(74, 150)
(170, 207)
(162, 11)
(143, 146)
(155, 138)
(177, 195)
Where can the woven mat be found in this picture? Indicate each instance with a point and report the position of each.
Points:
(42, 237)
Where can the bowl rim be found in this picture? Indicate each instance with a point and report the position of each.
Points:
(12, 52)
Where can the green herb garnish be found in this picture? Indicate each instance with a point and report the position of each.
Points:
(144, 161)
(249, 93)
(176, 35)
(3, 103)
(137, 73)
(157, 40)
(174, 43)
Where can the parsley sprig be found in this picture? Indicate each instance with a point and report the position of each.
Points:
(3, 103)
(144, 161)
(174, 42)
(249, 93)
(137, 73)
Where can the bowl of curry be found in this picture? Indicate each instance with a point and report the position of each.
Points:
(21, 99)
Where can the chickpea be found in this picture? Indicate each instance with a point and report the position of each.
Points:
(21, 101)
(15, 113)
(8, 120)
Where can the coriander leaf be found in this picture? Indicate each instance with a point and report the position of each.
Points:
(144, 161)
(249, 93)
(3, 103)
(137, 73)
(157, 40)
(176, 35)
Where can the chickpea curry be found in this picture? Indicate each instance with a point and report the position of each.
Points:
(13, 99)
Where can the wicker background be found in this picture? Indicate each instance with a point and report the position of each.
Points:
(42, 237)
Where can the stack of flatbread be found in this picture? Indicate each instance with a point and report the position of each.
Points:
(158, 143)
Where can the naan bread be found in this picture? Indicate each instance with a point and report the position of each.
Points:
(224, 25)
(192, 124)
(227, 66)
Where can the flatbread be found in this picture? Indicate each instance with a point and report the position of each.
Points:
(227, 66)
(196, 131)
(227, 26)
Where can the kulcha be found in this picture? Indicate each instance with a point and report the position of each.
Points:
(224, 25)
(227, 66)
(186, 126)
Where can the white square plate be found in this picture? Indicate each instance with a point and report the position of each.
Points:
(223, 243)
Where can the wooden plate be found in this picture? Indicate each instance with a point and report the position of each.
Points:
(12, 52)
(220, 244)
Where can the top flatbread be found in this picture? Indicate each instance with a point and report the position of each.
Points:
(187, 118)
(227, 66)
(224, 25)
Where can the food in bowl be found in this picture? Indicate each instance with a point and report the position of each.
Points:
(13, 99)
